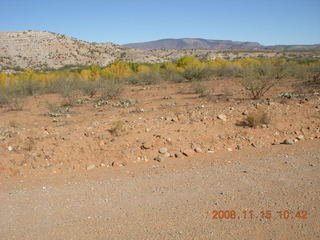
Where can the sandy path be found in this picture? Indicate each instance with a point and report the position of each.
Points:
(175, 204)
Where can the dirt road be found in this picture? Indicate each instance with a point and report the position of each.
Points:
(165, 201)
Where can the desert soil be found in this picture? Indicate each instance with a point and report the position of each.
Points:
(70, 176)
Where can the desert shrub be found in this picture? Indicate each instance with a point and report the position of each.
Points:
(111, 89)
(312, 77)
(199, 88)
(89, 88)
(117, 128)
(197, 73)
(258, 118)
(4, 98)
(16, 103)
(259, 78)
(145, 78)
(26, 87)
(173, 76)
(227, 70)
(70, 98)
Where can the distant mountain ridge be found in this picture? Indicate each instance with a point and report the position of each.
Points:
(199, 43)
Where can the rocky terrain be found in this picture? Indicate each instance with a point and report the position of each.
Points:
(45, 50)
(162, 122)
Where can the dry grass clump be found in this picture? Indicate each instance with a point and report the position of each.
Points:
(258, 118)
(117, 128)
(111, 89)
(199, 88)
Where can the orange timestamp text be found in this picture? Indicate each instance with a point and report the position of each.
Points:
(263, 214)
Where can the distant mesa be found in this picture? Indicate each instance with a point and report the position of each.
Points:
(199, 43)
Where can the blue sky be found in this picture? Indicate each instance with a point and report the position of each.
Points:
(268, 22)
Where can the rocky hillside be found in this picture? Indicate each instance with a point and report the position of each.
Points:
(49, 50)
(46, 50)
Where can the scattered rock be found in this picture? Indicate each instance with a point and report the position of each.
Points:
(221, 137)
(288, 141)
(146, 145)
(245, 113)
(222, 117)
(115, 164)
(229, 149)
(163, 150)
(91, 166)
(178, 155)
(255, 145)
(10, 148)
(210, 150)
(198, 150)
(187, 152)
(159, 158)
(239, 146)
(300, 137)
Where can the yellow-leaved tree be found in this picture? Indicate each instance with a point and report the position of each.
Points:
(120, 70)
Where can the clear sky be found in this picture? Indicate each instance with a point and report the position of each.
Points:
(268, 22)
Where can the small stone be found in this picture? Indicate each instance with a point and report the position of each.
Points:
(10, 148)
(159, 158)
(222, 137)
(187, 152)
(163, 150)
(264, 126)
(255, 145)
(288, 141)
(115, 164)
(239, 147)
(166, 155)
(146, 145)
(222, 117)
(300, 137)
(91, 166)
(210, 150)
(198, 150)
(229, 149)
(245, 113)
(178, 155)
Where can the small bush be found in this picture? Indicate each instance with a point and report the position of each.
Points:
(173, 76)
(259, 78)
(312, 77)
(197, 73)
(4, 99)
(89, 88)
(145, 78)
(117, 128)
(111, 89)
(69, 99)
(28, 87)
(199, 88)
(16, 103)
(258, 118)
